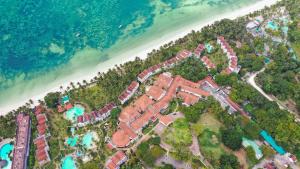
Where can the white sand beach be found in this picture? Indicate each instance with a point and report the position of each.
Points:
(122, 56)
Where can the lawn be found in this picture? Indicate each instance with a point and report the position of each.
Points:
(218, 57)
(178, 133)
(296, 47)
(209, 139)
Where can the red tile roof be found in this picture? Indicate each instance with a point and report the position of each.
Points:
(155, 92)
(69, 106)
(164, 80)
(120, 138)
(60, 109)
(188, 98)
(199, 49)
(128, 114)
(22, 140)
(208, 63)
(142, 103)
(166, 119)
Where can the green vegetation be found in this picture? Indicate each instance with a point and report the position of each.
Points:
(52, 100)
(229, 161)
(149, 151)
(191, 69)
(251, 159)
(192, 113)
(178, 134)
(231, 138)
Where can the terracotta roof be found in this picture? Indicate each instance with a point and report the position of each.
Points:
(111, 165)
(22, 138)
(141, 121)
(60, 109)
(199, 49)
(142, 103)
(128, 114)
(195, 91)
(188, 98)
(155, 92)
(69, 106)
(208, 63)
(164, 80)
(41, 118)
(165, 119)
(120, 138)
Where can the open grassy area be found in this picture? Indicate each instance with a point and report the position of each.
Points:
(209, 139)
(296, 48)
(178, 133)
(218, 57)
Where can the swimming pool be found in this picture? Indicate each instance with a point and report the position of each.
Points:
(72, 141)
(272, 25)
(247, 142)
(208, 47)
(5, 150)
(87, 140)
(74, 112)
(68, 163)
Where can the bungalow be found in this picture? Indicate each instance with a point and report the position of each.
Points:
(144, 75)
(95, 116)
(198, 51)
(41, 152)
(207, 62)
(128, 93)
(231, 55)
(116, 160)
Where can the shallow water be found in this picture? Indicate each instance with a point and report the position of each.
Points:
(44, 42)
(5, 150)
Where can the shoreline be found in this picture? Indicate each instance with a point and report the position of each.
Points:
(139, 51)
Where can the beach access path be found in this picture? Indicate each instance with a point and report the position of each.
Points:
(251, 81)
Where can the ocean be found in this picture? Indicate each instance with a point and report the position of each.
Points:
(45, 43)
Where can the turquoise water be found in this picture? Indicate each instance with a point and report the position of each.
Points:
(68, 163)
(209, 47)
(272, 142)
(44, 42)
(258, 152)
(87, 140)
(72, 141)
(5, 150)
(272, 25)
(74, 112)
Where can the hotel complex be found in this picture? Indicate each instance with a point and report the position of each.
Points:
(21, 150)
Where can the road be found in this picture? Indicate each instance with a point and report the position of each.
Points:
(251, 81)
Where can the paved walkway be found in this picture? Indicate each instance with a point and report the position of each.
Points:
(169, 160)
(251, 81)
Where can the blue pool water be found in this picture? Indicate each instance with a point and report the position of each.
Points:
(87, 140)
(68, 163)
(258, 152)
(272, 25)
(74, 112)
(208, 47)
(72, 141)
(5, 150)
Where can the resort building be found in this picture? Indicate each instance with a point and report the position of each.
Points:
(42, 149)
(142, 77)
(148, 107)
(198, 51)
(95, 116)
(210, 86)
(21, 148)
(129, 92)
(231, 55)
(40, 142)
(208, 63)
(116, 160)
